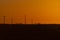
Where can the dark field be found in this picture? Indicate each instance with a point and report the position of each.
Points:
(29, 32)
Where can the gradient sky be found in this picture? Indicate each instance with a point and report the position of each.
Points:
(41, 11)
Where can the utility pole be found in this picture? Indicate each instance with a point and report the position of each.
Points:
(4, 19)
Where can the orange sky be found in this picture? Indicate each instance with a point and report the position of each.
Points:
(42, 11)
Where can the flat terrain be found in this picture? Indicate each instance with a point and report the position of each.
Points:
(29, 31)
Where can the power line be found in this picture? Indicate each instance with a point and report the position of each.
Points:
(4, 17)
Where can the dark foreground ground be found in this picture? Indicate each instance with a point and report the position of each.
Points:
(29, 32)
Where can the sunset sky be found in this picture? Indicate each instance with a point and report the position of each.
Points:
(40, 11)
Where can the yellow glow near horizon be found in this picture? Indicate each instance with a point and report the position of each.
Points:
(42, 11)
